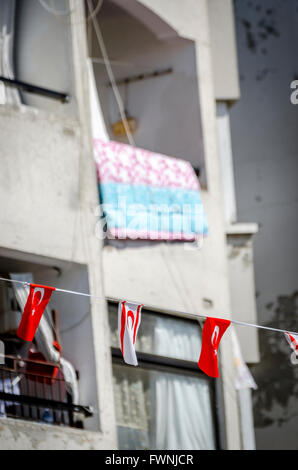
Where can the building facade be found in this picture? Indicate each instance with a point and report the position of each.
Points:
(49, 215)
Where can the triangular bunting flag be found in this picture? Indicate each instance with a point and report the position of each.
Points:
(37, 301)
(243, 379)
(129, 319)
(213, 331)
(292, 340)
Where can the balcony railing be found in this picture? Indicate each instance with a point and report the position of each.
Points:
(36, 391)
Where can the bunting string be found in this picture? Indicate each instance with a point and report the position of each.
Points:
(153, 307)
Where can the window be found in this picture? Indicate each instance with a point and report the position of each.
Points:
(166, 402)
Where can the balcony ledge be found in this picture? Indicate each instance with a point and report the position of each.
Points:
(247, 229)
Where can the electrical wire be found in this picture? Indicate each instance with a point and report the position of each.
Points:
(59, 13)
(95, 10)
(154, 307)
(110, 73)
(51, 9)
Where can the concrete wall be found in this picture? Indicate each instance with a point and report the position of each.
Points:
(48, 194)
(17, 434)
(242, 289)
(264, 137)
(223, 49)
(42, 180)
(239, 243)
(170, 276)
(226, 161)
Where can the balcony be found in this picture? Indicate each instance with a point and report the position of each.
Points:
(49, 374)
(36, 390)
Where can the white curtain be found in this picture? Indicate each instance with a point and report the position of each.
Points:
(176, 338)
(183, 416)
(99, 130)
(183, 413)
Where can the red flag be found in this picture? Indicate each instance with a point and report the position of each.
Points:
(37, 301)
(213, 331)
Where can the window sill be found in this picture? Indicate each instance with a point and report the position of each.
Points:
(242, 229)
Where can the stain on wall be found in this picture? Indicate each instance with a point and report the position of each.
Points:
(264, 126)
(277, 378)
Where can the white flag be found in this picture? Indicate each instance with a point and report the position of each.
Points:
(129, 319)
(293, 342)
(244, 379)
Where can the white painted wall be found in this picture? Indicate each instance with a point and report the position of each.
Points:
(226, 161)
(242, 288)
(223, 49)
(239, 243)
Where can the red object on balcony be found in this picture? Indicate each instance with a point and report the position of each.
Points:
(39, 372)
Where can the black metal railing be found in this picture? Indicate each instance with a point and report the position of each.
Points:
(36, 391)
(29, 88)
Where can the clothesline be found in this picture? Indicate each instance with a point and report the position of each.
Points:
(153, 307)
